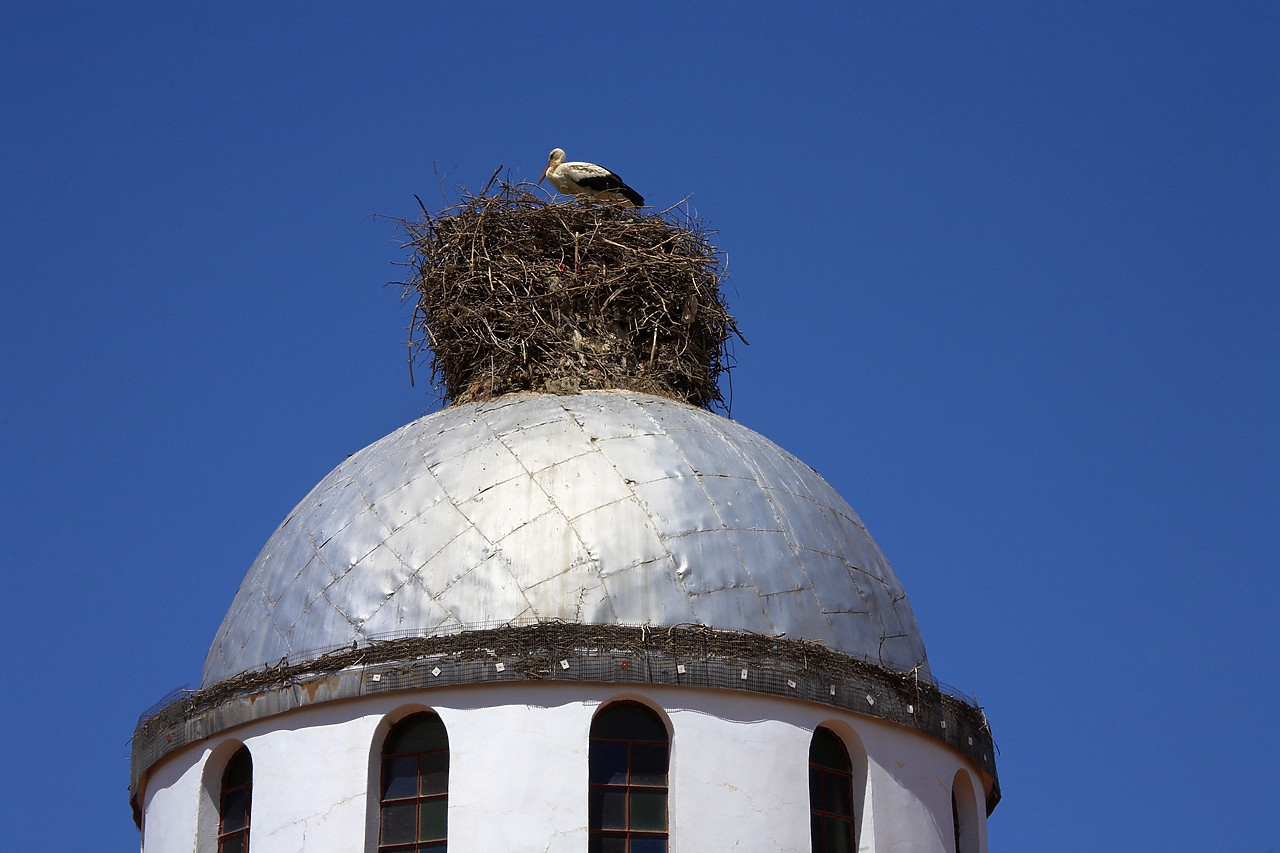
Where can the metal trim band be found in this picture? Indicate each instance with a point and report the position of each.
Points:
(686, 655)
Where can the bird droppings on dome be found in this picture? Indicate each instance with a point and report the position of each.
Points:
(513, 292)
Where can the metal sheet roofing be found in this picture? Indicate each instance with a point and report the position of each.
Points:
(605, 507)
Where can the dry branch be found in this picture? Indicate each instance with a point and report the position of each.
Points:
(513, 292)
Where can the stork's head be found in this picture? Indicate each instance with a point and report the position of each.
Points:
(554, 159)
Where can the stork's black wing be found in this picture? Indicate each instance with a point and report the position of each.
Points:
(611, 182)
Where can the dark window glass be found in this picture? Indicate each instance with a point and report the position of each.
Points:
(628, 721)
(837, 797)
(609, 763)
(627, 800)
(434, 773)
(607, 844)
(431, 819)
(417, 733)
(827, 750)
(839, 835)
(235, 809)
(649, 810)
(955, 820)
(239, 769)
(398, 824)
(399, 777)
(609, 808)
(649, 844)
(648, 764)
(415, 787)
(830, 794)
(233, 803)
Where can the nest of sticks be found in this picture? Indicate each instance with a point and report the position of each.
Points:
(514, 292)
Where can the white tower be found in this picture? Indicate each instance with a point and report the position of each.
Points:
(606, 621)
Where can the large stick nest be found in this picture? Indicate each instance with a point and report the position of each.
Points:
(514, 292)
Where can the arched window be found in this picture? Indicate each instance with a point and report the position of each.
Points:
(233, 803)
(413, 816)
(831, 818)
(955, 820)
(628, 781)
(964, 813)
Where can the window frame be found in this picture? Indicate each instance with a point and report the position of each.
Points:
(826, 777)
(226, 838)
(628, 838)
(427, 761)
(964, 814)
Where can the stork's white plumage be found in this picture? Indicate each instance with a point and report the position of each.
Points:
(587, 179)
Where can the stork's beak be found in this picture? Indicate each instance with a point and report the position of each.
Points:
(544, 172)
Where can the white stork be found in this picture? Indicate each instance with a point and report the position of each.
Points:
(587, 179)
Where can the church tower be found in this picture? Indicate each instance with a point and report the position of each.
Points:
(574, 610)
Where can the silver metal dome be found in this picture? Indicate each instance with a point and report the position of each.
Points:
(606, 507)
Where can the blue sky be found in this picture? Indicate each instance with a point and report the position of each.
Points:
(1009, 274)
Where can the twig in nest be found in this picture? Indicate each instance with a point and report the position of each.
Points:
(513, 292)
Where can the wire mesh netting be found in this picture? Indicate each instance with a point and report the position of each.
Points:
(686, 655)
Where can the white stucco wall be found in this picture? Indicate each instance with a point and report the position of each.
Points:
(171, 801)
(518, 773)
(517, 769)
(310, 784)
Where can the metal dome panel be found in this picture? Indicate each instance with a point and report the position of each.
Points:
(605, 507)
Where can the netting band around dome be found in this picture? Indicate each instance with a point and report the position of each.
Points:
(689, 656)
